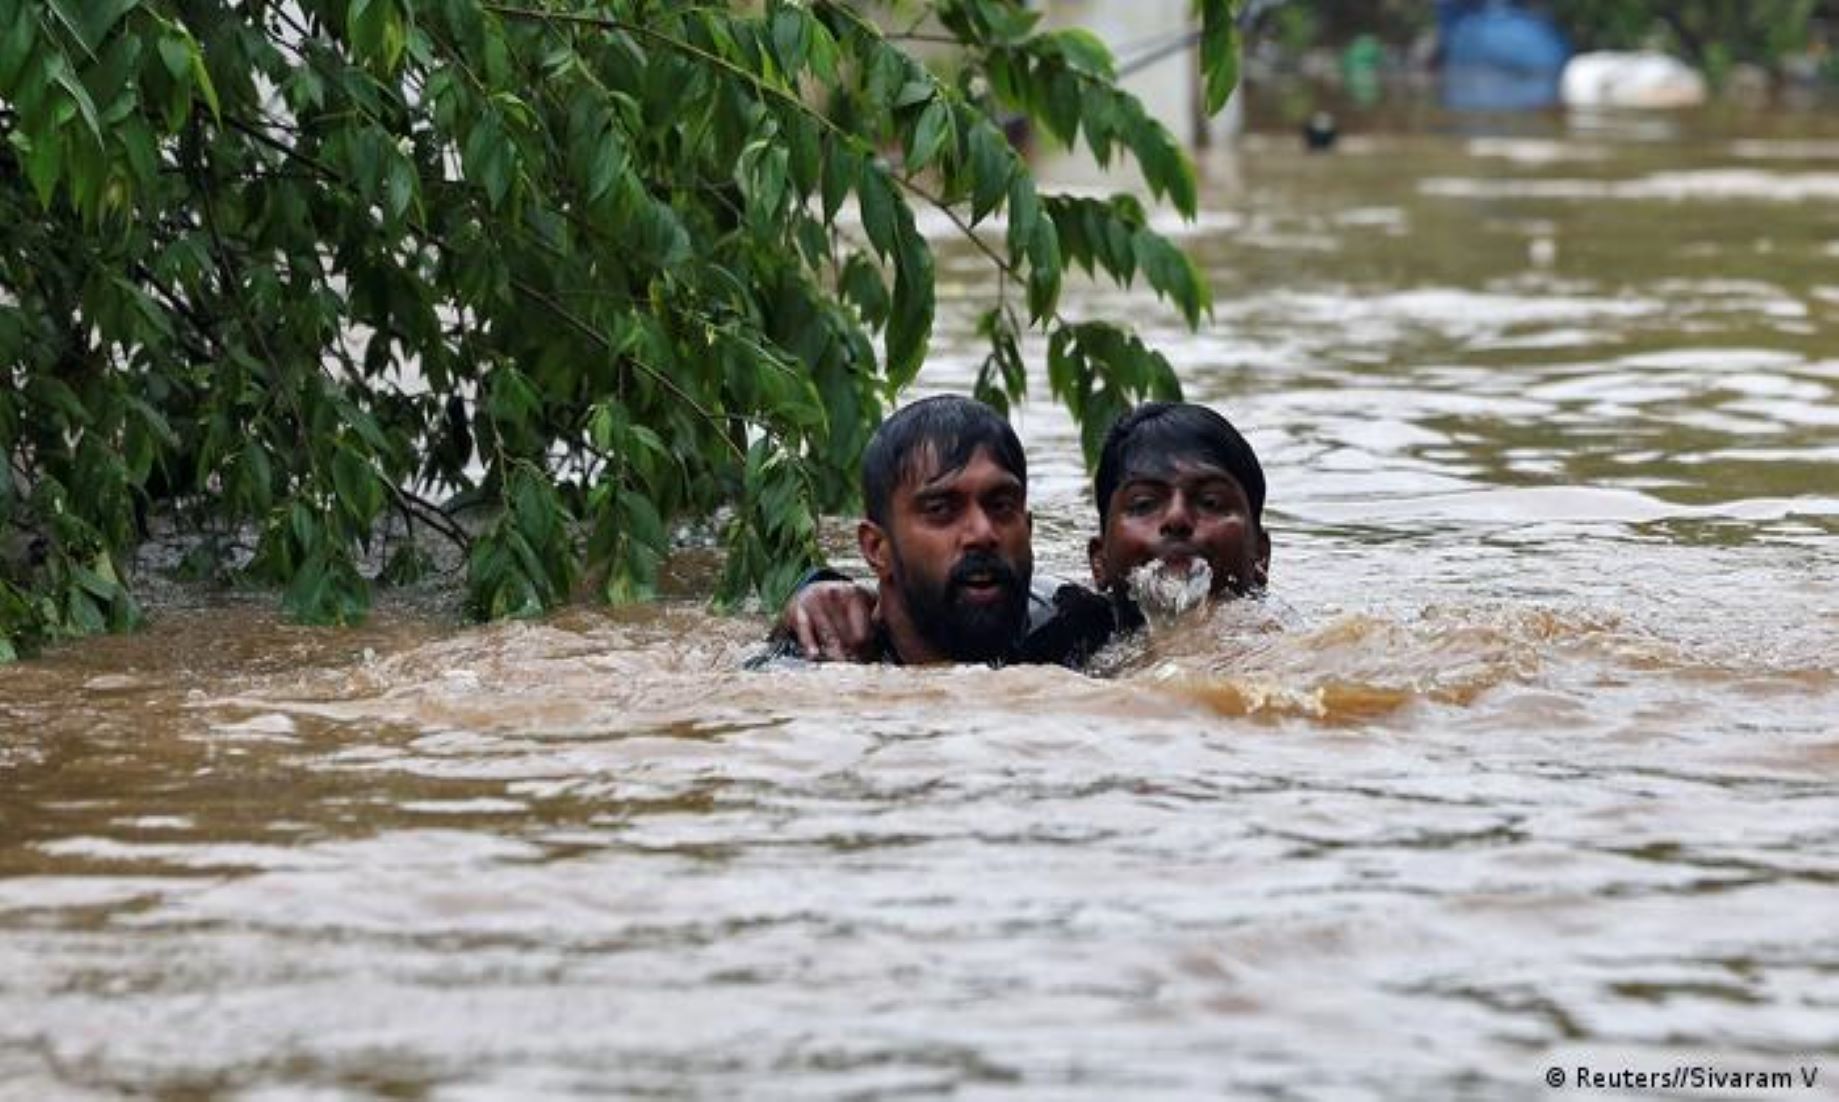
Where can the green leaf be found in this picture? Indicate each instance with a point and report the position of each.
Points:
(790, 38)
(96, 585)
(176, 54)
(79, 95)
(804, 152)
(1165, 167)
(1043, 269)
(930, 134)
(328, 591)
(914, 92)
(201, 77)
(359, 490)
(84, 617)
(1172, 274)
(399, 188)
(1061, 106)
(489, 158)
(605, 164)
(861, 285)
(48, 390)
(16, 43)
(254, 486)
(89, 21)
(1084, 51)
(100, 17)
(378, 34)
(643, 522)
(876, 195)
(840, 171)
(109, 81)
(1024, 215)
(989, 156)
(1219, 52)
(821, 52)
(407, 565)
(44, 165)
(910, 316)
(764, 170)
(155, 421)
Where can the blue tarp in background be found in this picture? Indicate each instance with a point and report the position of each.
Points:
(1498, 56)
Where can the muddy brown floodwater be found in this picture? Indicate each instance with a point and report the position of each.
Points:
(1529, 761)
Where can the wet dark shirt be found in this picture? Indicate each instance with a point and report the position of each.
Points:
(1067, 625)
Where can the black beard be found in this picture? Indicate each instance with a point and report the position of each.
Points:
(967, 631)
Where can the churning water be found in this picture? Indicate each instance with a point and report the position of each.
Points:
(1528, 761)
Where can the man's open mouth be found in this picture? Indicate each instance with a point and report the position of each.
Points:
(983, 585)
(1180, 556)
(983, 582)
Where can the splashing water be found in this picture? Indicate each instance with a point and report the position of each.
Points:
(1167, 593)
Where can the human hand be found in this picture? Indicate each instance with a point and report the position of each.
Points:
(832, 621)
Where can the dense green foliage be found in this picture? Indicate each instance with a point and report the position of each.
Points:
(320, 273)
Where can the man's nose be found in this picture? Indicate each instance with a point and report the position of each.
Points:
(979, 530)
(1178, 519)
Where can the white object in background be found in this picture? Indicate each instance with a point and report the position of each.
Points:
(1645, 80)
(1166, 80)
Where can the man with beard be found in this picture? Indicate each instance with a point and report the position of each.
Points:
(949, 538)
(1180, 497)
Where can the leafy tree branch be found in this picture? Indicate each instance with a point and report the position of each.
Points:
(280, 267)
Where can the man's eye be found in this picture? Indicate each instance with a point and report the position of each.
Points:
(1140, 505)
(936, 509)
(1216, 503)
(1003, 507)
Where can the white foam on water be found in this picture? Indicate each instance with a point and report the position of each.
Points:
(1536, 151)
(1698, 184)
(1782, 149)
(1166, 593)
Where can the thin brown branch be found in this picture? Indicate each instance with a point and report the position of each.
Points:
(414, 505)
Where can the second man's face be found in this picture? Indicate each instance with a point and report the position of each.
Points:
(963, 556)
(1179, 514)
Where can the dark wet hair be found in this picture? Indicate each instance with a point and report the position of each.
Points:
(947, 427)
(1157, 434)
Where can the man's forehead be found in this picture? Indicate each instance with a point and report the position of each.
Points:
(925, 468)
(1162, 467)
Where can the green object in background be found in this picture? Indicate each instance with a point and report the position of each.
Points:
(1361, 64)
(1297, 27)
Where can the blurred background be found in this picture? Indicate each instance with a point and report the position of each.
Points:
(1387, 62)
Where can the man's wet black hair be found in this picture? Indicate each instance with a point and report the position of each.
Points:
(947, 427)
(1156, 434)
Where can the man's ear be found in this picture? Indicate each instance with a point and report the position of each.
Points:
(1095, 552)
(872, 541)
(1263, 566)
